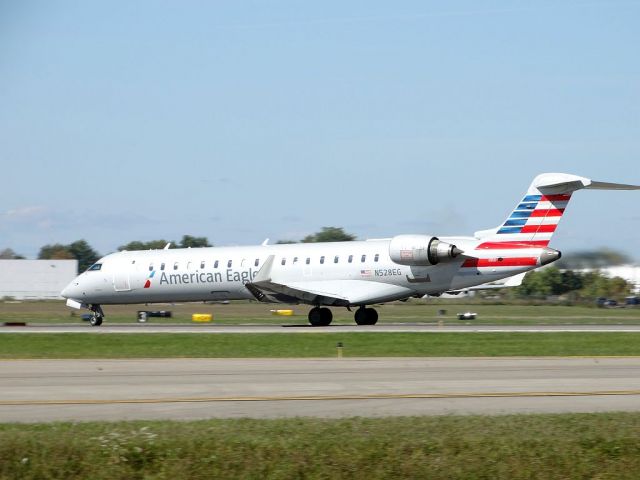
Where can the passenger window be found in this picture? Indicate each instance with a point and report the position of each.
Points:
(150, 267)
(215, 264)
(256, 262)
(322, 259)
(229, 263)
(284, 260)
(162, 266)
(335, 259)
(295, 259)
(308, 261)
(175, 266)
(363, 259)
(377, 257)
(202, 264)
(350, 258)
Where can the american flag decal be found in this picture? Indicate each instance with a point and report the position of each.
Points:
(406, 254)
(365, 273)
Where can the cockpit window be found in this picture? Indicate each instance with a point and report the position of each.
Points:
(95, 266)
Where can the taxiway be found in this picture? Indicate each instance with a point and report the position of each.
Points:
(79, 390)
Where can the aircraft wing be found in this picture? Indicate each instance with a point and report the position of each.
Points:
(513, 281)
(328, 292)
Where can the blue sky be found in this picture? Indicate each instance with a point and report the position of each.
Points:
(245, 120)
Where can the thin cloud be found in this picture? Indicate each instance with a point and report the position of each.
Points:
(25, 212)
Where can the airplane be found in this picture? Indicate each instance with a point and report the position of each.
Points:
(338, 274)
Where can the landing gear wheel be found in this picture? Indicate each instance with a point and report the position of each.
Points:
(96, 320)
(366, 316)
(97, 315)
(320, 317)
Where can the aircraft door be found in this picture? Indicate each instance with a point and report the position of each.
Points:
(121, 277)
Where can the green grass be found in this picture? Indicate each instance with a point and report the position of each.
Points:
(161, 345)
(576, 446)
(398, 312)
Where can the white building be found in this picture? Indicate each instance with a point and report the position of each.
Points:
(35, 279)
(631, 273)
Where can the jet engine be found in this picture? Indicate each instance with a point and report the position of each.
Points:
(421, 250)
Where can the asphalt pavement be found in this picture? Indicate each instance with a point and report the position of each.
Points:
(80, 390)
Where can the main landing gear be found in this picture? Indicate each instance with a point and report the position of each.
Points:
(366, 316)
(322, 316)
(97, 315)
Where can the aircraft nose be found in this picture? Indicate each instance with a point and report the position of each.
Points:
(70, 290)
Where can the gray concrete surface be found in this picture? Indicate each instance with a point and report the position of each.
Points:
(48, 390)
(380, 328)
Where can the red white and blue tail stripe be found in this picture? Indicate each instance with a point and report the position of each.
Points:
(532, 222)
(536, 217)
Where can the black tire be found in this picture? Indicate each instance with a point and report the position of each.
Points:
(96, 320)
(372, 316)
(320, 317)
(327, 316)
(315, 317)
(366, 316)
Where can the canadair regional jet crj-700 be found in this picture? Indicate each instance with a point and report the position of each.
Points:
(338, 274)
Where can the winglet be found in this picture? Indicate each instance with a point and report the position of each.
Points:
(264, 274)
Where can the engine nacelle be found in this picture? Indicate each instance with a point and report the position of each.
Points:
(421, 250)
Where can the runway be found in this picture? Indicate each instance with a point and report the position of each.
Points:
(142, 328)
(82, 390)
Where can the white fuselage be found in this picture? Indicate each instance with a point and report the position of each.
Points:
(220, 273)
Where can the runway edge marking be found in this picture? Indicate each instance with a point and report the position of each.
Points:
(381, 396)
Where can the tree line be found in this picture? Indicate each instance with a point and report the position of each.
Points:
(574, 285)
(81, 250)
(326, 234)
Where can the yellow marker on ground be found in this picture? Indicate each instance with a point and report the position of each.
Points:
(285, 313)
(201, 317)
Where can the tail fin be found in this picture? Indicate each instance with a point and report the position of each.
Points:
(534, 220)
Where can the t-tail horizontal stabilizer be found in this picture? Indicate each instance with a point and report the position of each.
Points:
(535, 218)
(559, 183)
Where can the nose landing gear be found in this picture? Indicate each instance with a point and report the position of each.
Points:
(97, 315)
(366, 316)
